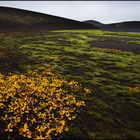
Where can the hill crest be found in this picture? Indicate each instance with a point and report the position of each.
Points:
(119, 26)
(19, 19)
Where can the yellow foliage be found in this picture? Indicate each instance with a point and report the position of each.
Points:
(9, 127)
(109, 50)
(39, 103)
(134, 89)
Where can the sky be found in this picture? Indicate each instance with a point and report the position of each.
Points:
(102, 11)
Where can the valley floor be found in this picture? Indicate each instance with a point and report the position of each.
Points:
(106, 62)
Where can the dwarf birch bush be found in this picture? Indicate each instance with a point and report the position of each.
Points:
(38, 104)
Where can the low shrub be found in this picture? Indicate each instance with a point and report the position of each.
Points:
(38, 104)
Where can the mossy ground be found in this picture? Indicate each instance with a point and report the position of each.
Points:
(112, 110)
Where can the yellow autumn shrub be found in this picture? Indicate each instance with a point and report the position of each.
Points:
(109, 50)
(38, 104)
(135, 89)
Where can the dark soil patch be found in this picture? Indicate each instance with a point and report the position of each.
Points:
(11, 61)
(117, 45)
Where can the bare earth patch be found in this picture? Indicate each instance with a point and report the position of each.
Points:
(117, 45)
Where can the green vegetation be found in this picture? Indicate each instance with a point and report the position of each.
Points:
(112, 110)
(135, 42)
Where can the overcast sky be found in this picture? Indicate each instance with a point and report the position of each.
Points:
(103, 11)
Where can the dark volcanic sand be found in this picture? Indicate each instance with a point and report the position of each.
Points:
(117, 45)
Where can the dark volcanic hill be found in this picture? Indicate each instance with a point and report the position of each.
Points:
(120, 26)
(125, 26)
(17, 19)
(95, 23)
